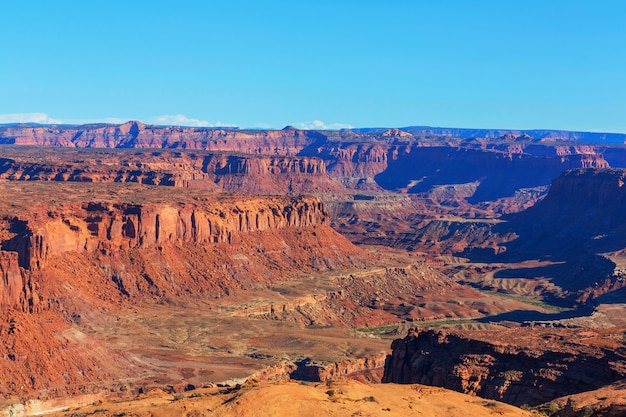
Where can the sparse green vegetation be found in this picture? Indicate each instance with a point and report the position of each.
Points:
(397, 329)
(551, 409)
(380, 330)
(530, 301)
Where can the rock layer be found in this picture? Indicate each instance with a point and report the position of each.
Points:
(515, 375)
(105, 227)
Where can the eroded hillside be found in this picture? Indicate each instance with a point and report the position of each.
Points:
(137, 257)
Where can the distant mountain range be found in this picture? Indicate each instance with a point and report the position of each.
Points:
(594, 137)
(464, 133)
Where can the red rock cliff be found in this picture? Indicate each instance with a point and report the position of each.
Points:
(11, 283)
(103, 226)
(511, 374)
(597, 186)
(135, 134)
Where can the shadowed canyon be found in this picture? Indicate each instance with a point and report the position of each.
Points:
(197, 270)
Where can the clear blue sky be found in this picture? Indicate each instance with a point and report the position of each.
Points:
(489, 64)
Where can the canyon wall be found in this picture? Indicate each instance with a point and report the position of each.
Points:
(499, 174)
(12, 285)
(31, 171)
(105, 227)
(515, 375)
(297, 161)
(587, 186)
(269, 175)
(135, 134)
(583, 211)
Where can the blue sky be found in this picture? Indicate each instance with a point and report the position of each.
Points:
(484, 64)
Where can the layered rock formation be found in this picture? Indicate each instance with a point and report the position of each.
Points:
(602, 188)
(583, 211)
(269, 175)
(101, 226)
(296, 161)
(135, 134)
(30, 171)
(615, 138)
(11, 283)
(513, 374)
(72, 263)
(86, 233)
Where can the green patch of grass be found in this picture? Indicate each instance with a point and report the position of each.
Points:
(397, 329)
(530, 301)
(380, 330)
(444, 322)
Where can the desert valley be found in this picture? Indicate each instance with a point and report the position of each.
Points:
(163, 270)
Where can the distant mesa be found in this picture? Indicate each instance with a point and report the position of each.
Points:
(290, 127)
(396, 133)
(132, 127)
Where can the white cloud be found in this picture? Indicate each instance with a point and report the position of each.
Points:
(42, 118)
(182, 120)
(319, 125)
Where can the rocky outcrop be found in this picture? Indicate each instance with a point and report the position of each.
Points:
(499, 174)
(241, 165)
(255, 174)
(26, 171)
(511, 374)
(11, 283)
(269, 175)
(105, 227)
(601, 187)
(18, 291)
(353, 162)
(366, 368)
(582, 211)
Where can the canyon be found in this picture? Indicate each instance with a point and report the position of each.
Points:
(136, 257)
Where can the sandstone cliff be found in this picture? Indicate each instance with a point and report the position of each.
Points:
(583, 210)
(604, 188)
(296, 161)
(106, 227)
(269, 175)
(515, 375)
(254, 174)
(135, 134)
(11, 283)
(67, 267)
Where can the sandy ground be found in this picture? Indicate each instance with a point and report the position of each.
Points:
(344, 398)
